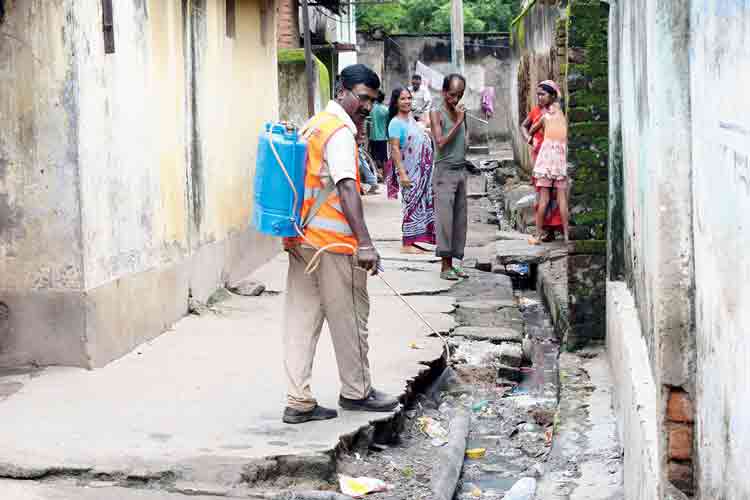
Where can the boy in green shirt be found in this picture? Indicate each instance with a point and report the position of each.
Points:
(379, 132)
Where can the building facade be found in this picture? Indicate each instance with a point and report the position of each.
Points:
(679, 269)
(126, 167)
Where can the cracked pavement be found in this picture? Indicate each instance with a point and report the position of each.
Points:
(199, 403)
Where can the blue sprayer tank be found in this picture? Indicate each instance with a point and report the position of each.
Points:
(275, 210)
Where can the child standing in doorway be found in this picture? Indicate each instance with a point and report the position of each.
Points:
(551, 166)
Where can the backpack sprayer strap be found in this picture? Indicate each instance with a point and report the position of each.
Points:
(319, 201)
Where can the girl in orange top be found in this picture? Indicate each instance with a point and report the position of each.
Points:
(552, 220)
(551, 165)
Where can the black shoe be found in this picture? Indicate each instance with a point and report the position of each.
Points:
(376, 401)
(292, 416)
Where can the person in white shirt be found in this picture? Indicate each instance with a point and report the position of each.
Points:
(335, 290)
(421, 101)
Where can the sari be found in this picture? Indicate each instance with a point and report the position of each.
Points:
(417, 205)
(552, 219)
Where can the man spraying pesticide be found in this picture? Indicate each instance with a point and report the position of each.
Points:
(334, 288)
(330, 249)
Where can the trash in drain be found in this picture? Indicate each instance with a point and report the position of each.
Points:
(522, 270)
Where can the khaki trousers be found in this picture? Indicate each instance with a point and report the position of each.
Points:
(337, 293)
(451, 216)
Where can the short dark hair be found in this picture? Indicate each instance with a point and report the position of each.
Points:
(416, 77)
(381, 96)
(448, 79)
(359, 73)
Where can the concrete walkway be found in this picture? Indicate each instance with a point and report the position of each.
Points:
(204, 400)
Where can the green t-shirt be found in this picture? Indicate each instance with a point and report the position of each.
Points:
(379, 117)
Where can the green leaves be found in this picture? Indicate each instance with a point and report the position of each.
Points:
(433, 16)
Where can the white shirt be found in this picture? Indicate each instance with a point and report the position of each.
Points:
(338, 158)
(420, 100)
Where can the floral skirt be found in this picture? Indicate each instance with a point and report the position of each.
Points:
(552, 161)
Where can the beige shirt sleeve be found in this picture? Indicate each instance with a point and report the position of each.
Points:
(339, 155)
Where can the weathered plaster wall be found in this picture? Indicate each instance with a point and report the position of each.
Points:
(293, 86)
(41, 250)
(533, 58)
(719, 51)
(487, 64)
(159, 139)
(637, 400)
(683, 194)
(371, 52)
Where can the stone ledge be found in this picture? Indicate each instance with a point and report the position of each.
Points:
(635, 395)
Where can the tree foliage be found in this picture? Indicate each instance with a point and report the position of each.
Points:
(433, 16)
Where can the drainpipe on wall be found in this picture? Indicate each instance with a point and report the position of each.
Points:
(308, 60)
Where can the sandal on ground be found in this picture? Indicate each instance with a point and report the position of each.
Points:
(460, 272)
(425, 250)
(449, 275)
(548, 236)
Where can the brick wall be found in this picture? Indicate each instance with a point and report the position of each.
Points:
(288, 19)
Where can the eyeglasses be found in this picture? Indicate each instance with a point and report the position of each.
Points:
(363, 98)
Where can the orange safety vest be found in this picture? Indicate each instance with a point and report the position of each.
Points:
(329, 225)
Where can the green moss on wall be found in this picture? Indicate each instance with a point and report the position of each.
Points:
(595, 247)
(588, 130)
(291, 56)
(297, 56)
(324, 80)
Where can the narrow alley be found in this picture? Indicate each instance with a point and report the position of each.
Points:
(196, 411)
(587, 343)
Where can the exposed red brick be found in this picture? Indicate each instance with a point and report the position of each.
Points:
(680, 407)
(680, 441)
(681, 475)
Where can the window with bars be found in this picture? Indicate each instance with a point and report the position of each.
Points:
(231, 18)
(108, 27)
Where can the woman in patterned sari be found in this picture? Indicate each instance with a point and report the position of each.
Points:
(410, 169)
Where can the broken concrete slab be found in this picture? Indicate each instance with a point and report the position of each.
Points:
(512, 235)
(519, 252)
(212, 389)
(511, 354)
(476, 184)
(482, 256)
(70, 490)
(247, 288)
(509, 373)
(205, 399)
(490, 313)
(488, 305)
(495, 335)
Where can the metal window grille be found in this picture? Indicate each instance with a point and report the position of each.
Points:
(108, 27)
(231, 18)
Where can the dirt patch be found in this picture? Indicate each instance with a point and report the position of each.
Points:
(474, 375)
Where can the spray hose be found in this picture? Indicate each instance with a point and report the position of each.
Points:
(312, 266)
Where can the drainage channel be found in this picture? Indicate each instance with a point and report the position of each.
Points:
(503, 374)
